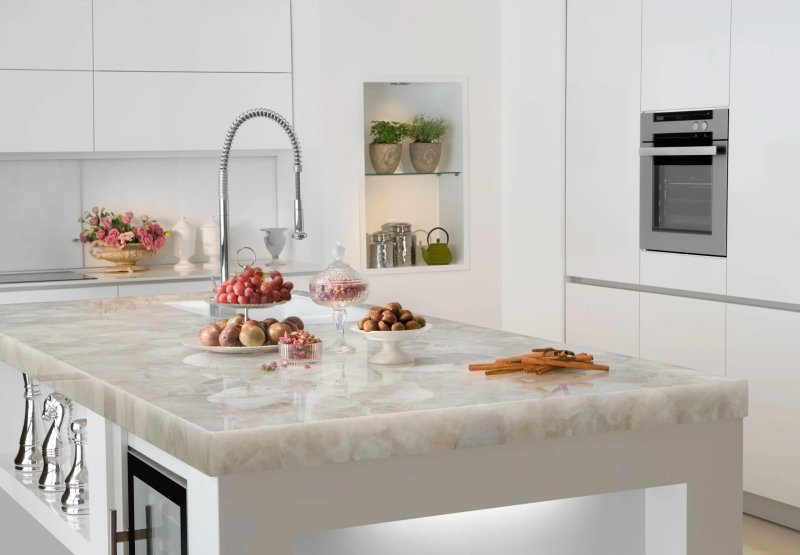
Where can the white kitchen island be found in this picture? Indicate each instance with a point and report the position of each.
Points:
(331, 459)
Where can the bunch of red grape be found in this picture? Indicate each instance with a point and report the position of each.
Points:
(253, 286)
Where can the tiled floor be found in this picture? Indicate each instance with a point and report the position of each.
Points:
(765, 538)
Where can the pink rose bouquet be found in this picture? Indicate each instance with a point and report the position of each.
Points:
(118, 230)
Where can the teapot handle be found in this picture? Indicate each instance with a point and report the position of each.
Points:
(445, 232)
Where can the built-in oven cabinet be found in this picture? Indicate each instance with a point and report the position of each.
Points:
(763, 188)
(602, 122)
(686, 53)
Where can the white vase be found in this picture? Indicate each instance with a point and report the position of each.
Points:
(184, 241)
(211, 247)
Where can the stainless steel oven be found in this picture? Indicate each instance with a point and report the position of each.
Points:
(684, 181)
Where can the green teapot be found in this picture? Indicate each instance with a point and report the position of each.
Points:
(439, 253)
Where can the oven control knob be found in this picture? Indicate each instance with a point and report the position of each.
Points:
(704, 125)
(695, 126)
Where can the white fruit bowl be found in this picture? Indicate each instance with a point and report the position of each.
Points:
(391, 344)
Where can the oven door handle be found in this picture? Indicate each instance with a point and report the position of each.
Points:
(681, 150)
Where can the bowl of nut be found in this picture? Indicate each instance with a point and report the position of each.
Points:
(391, 325)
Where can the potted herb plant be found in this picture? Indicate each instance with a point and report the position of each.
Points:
(425, 149)
(385, 149)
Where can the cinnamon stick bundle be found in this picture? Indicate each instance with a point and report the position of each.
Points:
(539, 361)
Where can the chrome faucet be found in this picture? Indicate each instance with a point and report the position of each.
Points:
(299, 233)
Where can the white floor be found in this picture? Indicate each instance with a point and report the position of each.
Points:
(765, 538)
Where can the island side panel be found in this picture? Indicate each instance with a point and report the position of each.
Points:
(271, 508)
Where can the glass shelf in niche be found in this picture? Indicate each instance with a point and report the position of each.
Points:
(368, 174)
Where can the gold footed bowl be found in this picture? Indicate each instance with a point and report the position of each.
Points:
(124, 258)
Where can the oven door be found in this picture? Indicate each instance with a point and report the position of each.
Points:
(684, 198)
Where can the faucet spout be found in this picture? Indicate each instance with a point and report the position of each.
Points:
(299, 232)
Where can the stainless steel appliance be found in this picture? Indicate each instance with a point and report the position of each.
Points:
(684, 181)
(157, 505)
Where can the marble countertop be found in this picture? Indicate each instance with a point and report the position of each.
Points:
(155, 273)
(222, 414)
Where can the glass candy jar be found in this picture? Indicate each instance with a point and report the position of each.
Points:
(338, 286)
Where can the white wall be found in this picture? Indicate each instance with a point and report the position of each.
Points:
(533, 67)
(41, 200)
(368, 40)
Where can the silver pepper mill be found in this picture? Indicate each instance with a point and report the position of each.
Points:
(75, 500)
(55, 408)
(29, 455)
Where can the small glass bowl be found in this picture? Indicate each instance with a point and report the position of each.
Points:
(300, 354)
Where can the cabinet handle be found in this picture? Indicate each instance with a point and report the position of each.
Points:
(681, 150)
(126, 535)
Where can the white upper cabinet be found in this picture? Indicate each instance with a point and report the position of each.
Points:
(686, 53)
(602, 173)
(192, 35)
(43, 34)
(45, 111)
(143, 111)
(763, 189)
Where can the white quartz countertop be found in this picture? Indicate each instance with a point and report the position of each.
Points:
(155, 273)
(222, 414)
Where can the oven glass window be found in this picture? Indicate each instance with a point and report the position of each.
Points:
(682, 194)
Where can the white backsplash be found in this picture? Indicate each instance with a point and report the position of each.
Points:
(41, 200)
(39, 208)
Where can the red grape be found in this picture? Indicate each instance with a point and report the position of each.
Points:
(276, 296)
(248, 292)
(248, 272)
(265, 299)
(274, 273)
(288, 285)
(277, 281)
(238, 289)
(229, 288)
(258, 270)
(242, 299)
(255, 281)
(265, 288)
(221, 298)
(231, 298)
(285, 295)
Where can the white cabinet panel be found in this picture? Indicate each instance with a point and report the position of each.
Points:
(762, 348)
(686, 53)
(187, 35)
(602, 175)
(45, 111)
(688, 272)
(763, 232)
(603, 318)
(681, 331)
(42, 34)
(187, 111)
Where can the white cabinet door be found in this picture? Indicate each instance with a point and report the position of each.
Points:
(762, 348)
(682, 331)
(763, 193)
(686, 53)
(42, 34)
(603, 318)
(603, 62)
(187, 111)
(187, 35)
(45, 111)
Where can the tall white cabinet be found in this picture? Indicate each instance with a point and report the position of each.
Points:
(763, 231)
(602, 111)
(685, 53)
